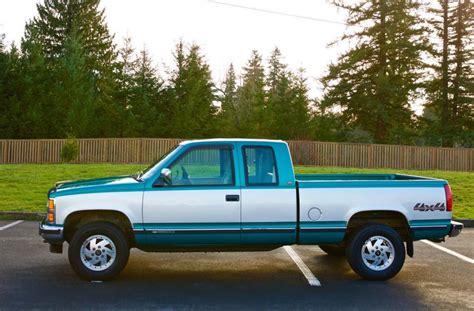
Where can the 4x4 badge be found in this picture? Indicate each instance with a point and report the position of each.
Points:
(422, 207)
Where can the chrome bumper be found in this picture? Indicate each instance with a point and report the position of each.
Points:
(456, 228)
(52, 234)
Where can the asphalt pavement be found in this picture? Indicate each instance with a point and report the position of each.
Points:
(33, 278)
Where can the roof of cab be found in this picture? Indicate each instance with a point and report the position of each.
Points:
(224, 140)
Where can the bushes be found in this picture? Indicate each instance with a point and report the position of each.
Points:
(70, 150)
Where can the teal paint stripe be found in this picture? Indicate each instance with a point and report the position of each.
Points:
(430, 222)
(217, 188)
(252, 225)
(201, 188)
(150, 226)
(323, 224)
(373, 184)
(93, 190)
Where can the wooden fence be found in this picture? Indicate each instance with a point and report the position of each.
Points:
(146, 150)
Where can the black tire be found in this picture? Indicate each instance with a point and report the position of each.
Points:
(112, 232)
(355, 247)
(333, 250)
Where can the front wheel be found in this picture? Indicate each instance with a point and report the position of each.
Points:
(376, 252)
(98, 251)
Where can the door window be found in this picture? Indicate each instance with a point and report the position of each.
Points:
(211, 166)
(260, 166)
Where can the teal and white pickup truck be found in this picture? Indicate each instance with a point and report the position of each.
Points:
(243, 195)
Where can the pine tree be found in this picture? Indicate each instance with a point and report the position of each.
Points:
(55, 22)
(191, 95)
(449, 115)
(298, 123)
(287, 101)
(277, 102)
(463, 72)
(228, 119)
(146, 106)
(373, 83)
(126, 66)
(77, 90)
(251, 107)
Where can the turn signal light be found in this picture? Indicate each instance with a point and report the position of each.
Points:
(51, 207)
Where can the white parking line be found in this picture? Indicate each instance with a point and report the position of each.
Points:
(312, 280)
(11, 225)
(446, 250)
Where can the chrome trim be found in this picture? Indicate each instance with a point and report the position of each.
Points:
(52, 234)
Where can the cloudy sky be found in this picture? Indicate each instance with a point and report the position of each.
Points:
(226, 31)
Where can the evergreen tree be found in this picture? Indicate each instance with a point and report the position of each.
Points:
(287, 101)
(228, 119)
(373, 83)
(8, 65)
(449, 115)
(463, 73)
(251, 107)
(126, 66)
(35, 93)
(191, 95)
(145, 104)
(55, 22)
(297, 121)
(76, 90)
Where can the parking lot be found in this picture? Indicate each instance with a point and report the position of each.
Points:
(32, 277)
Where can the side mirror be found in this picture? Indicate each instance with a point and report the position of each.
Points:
(166, 175)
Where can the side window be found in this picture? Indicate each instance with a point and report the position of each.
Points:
(211, 166)
(260, 166)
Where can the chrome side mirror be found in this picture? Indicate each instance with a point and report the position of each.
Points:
(166, 175)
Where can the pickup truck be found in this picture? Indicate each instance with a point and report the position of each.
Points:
(243, 195)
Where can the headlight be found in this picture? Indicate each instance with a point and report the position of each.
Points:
(51, 207)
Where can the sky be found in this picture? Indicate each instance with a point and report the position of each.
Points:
(225, 31)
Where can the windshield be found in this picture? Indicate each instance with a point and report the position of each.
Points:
(149, 170)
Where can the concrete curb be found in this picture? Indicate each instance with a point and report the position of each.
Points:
(468, 223)
(22, 215)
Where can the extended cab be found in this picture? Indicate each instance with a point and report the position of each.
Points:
(242, 194)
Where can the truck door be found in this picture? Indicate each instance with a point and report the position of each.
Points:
(200, 205)
(268, 200)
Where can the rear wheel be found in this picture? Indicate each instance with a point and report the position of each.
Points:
(98, 251)
(333, 250)
(376, 252)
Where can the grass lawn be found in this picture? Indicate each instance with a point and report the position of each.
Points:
(23, 187)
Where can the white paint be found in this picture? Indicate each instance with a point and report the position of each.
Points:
(128, 203)
(165, 205)
(312, 280)
(11, 225)
(446, 250)
(339, 204)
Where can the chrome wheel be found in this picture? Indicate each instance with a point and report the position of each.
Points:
(378, 253)
(98, 252)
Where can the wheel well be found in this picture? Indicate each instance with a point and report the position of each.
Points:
(78, 219)
(393, 219)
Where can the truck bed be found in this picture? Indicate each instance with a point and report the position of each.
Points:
(366, 180)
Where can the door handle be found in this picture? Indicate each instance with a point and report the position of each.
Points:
(232, 198)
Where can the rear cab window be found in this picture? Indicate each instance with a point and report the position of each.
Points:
(260, 166)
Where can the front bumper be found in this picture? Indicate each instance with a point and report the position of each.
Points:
(52, 234)
(456, 228)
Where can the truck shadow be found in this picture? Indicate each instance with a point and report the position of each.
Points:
(261, 280)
